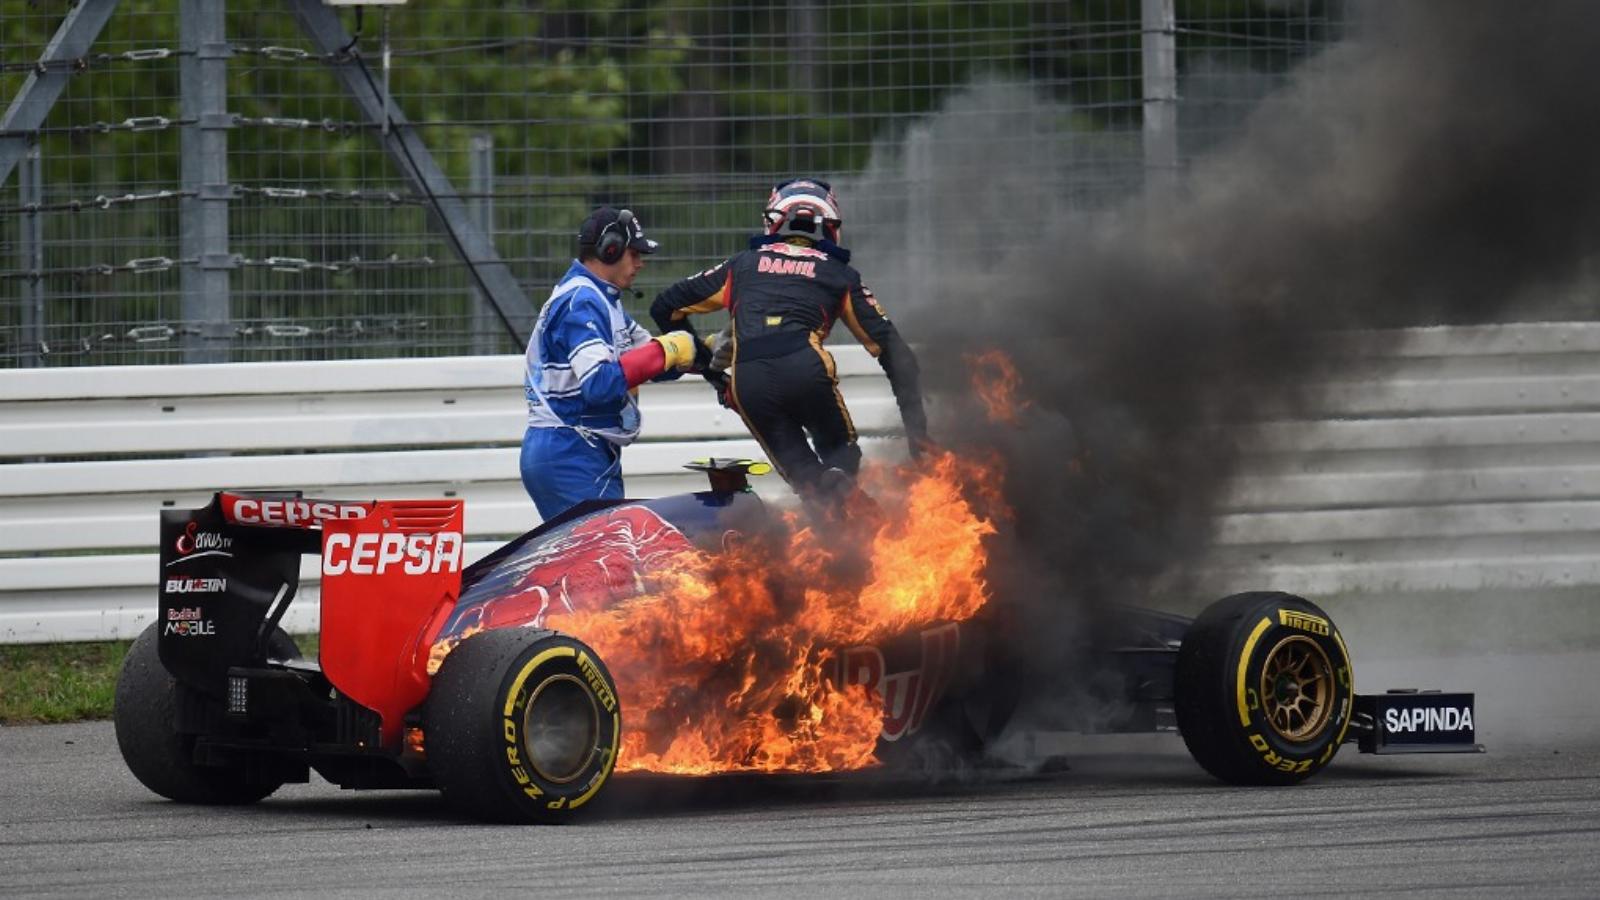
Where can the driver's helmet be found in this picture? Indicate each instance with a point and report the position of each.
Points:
(803, 207)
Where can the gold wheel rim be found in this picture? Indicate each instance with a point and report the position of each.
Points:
(1297, 688)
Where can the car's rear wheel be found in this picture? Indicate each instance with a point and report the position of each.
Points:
(522, 725)
(145, 713)
(1263, 689)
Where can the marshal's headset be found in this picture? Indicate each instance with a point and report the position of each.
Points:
(612, 241)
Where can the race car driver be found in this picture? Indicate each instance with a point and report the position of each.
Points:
(584, 361)
(784, 295)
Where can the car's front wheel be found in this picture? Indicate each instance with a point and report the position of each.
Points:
(1263, 689)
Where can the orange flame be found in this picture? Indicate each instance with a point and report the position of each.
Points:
(725, 665)
(995, 380)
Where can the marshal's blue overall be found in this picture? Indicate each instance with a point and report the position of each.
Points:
(580, 411)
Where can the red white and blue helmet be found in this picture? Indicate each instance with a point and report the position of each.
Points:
(803, 207)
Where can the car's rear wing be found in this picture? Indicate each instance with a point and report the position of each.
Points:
(390, 569)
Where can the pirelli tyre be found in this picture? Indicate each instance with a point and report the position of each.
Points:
(144, 712)
(1263, 689)
(522, 725)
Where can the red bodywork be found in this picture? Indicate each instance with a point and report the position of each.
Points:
(391, 572)
(387, 581)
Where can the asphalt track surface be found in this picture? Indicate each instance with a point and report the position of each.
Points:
(1125, 816)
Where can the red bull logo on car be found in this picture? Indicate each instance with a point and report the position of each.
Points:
(907, 695)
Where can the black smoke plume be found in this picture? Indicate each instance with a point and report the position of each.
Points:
(1437, 166)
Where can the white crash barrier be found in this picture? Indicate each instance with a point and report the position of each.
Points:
(88, 456)
(1456, 459)
(1453, 459)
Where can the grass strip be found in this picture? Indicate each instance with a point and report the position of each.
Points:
(58, 682)
(44, 683)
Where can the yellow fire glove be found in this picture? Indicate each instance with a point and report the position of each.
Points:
(678, 347)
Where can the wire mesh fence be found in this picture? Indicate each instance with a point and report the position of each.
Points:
(226, 194)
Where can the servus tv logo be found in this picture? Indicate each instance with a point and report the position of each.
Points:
(194, 543)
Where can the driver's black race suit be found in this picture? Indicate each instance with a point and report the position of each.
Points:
(783, 300)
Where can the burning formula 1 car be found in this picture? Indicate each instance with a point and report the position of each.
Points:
(487, 681)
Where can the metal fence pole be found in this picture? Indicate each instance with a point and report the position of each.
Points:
(1158, 23)
(805, 27)
(203, 173)
(480, 207)
(30, 192)
(919, 212)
